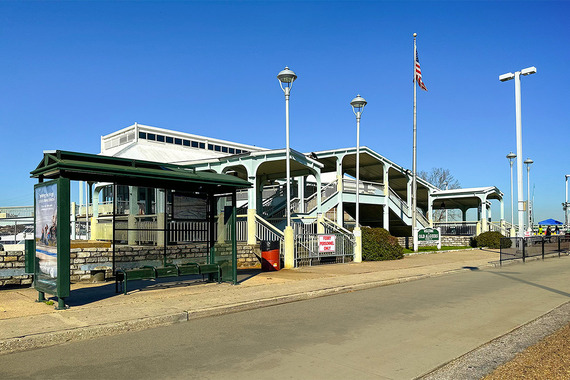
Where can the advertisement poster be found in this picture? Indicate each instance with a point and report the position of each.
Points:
(46, 229)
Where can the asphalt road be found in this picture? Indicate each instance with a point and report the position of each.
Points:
(392, 332)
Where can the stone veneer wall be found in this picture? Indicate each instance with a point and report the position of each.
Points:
(87, 261)
(12, 269)
(451, 241)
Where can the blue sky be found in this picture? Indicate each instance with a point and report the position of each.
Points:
(73, 71)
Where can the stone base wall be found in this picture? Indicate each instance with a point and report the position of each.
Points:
(12, 269)
(249, 256)
(86, 262)
(451, 241)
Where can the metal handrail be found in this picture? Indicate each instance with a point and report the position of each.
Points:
(326, 192)
(338, 228)
(404, 207)
(396, 199)
(265, 230)
(277, 191)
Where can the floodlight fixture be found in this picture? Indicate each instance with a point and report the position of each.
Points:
(506, 77)
(528, 71)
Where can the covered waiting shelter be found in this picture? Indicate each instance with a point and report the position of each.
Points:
(203, 203)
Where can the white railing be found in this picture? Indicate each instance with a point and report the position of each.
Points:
(403, 206)
(326, 192)
(301, 228)
(241, 229)
(457, 228)
(332, 227)
(266, 231)
(144, 231)
(187, 231)
(364, 187)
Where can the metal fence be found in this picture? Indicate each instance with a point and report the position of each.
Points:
(514, 248)
(458, 228)
(307, 250)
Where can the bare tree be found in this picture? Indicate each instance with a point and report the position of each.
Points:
(442, 178)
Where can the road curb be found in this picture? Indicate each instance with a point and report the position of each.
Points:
(53, 338)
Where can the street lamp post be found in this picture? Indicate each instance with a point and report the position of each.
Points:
(286, 78)
(511, 157)
(528, 162)
(503, 78)
(358, 104)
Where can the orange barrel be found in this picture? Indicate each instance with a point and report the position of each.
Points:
(270, 259)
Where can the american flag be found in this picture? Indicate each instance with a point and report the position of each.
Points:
(419, 73)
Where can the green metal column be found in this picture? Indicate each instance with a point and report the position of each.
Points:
(234, 239)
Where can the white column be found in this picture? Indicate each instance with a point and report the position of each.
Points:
(252, 210)
(386, 208)
(409, 196)
(430, 209)
(319, 192)
(133, 211)
(340, 189)
(301, 193)
(483, 219)
(159, 208)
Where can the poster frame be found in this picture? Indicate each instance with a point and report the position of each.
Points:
(62, 281)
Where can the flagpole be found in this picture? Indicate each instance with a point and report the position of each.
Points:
(414, 159)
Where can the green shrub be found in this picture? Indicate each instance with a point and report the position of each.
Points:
(378, 244)
(490, 239)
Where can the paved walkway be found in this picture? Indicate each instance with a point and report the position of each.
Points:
(95, 309)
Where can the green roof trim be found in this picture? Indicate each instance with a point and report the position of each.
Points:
(93, 167)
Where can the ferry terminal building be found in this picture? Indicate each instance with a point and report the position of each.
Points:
(323, 189)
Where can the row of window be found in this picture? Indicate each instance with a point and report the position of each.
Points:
(190, 143)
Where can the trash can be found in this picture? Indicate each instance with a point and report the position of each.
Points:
(270, 259)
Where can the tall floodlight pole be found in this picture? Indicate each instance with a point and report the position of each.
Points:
(517, 77)
(528, 162)
(511, 157)
(358, 104)
(286, 78)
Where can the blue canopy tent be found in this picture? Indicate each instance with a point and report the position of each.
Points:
(550, 222)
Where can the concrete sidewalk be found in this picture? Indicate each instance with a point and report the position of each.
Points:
(95, 309)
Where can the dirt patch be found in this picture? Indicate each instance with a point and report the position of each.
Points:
(548, 359)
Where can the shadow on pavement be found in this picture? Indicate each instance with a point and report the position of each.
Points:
(531, 284)
(97, 292)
